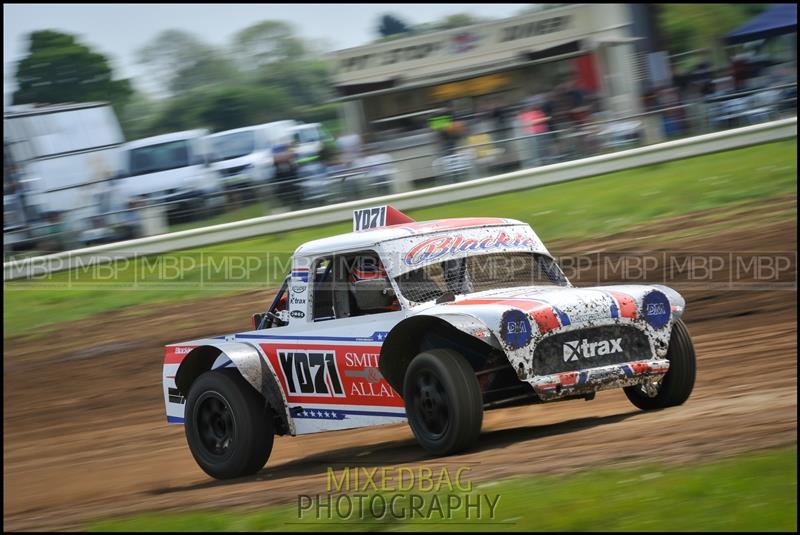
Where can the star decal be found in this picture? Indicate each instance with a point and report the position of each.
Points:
(321, 414)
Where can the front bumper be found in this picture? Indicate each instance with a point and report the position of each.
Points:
(590, 380)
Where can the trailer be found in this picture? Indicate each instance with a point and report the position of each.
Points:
(60, 160)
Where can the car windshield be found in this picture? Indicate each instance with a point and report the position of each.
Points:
(232, 146)
(479, 273)
(306, 135)
(154, 158)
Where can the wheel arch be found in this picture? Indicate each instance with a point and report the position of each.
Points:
(406, 340)
(250, 364)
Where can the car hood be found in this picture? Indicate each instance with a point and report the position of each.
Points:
(519, 317)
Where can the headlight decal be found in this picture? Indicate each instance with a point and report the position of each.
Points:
(656, 309)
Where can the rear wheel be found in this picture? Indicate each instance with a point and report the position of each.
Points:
(678, 382)
(228, 425)
(443, 401)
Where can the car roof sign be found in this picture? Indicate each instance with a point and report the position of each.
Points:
(378, 216)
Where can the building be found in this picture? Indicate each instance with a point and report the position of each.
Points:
(396, 84)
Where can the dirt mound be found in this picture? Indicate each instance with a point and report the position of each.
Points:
(86, 435)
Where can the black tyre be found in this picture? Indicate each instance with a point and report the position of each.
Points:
(443, 401)
(677, 384)
(228, 425)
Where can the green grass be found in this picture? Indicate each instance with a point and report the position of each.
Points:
(754, 492)
(245, 212)
(578, 209)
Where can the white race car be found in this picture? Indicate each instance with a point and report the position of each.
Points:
(430, 322)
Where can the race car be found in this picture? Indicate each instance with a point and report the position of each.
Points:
(426, 322)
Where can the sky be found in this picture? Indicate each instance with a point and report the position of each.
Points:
(119, 30)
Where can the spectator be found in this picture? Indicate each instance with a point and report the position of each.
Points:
(350, 147)
(650, 97)
(579, 102)
(532, 123)
(483, 152)
(442, 125)
(703, 73)
(286, 175)
(549, 108)
(498, 117)
(456, 133)
(561, 107)
(740, 71)
(672, 116)
(377, 172)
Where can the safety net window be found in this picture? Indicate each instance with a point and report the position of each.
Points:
(479, 273)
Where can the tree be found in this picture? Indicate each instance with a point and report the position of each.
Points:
(276, 58)
(457, 20)
(308, 81)
(701, 26)
(391, 25)
(267, 73)
(180, 62)
(234, 107)
(265, 43)
(59, 69)
(139, 115)
(178, 113)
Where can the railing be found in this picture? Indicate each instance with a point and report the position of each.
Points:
(439, 194)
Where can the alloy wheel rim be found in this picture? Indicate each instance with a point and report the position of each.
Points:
(431, 405)
(215, 424)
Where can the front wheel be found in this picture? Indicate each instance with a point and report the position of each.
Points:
(229, 427)
(443, 401)
(677, 384)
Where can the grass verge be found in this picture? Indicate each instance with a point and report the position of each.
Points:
(594, 206)
(753, 492)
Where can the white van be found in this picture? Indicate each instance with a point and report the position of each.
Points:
(171, 170)
(243, 156)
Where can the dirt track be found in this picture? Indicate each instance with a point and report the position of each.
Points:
(85, 434)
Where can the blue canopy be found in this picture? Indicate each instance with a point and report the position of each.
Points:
(777, 20)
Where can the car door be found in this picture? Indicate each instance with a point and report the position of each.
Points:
(327, 360)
